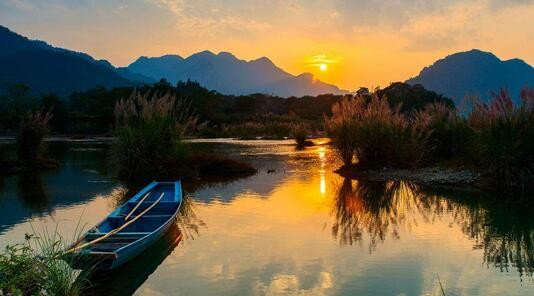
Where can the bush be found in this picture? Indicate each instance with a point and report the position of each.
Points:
(148, 132)
(299, 132)
(33, 128)
(505, 135)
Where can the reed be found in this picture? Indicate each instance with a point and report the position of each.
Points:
(147, 133)
(505, 137)
(33, 128)
(375, 133)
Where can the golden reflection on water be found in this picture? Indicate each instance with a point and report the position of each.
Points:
(322, 164)
(307, 231)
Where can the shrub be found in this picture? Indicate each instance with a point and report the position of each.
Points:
(299, 132)
(33, 128)
(505, 135)
(148, 132)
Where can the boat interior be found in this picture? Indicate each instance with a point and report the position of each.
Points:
(144, 225)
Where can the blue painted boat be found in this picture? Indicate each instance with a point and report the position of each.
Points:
(131, 228)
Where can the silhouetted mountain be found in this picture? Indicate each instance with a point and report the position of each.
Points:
(49, 69)
(475, 72)
(227, 74)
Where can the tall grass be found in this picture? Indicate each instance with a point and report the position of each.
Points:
(449, 135)
(497, 137)
(33, 128)
(375, 133)
(299, 132)
(505, 137)
(148, 132)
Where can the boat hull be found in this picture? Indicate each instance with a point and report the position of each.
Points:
(156, 216)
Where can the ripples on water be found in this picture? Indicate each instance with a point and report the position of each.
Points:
(299, 229)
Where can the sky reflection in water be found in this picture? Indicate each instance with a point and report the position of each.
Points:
(300, 230)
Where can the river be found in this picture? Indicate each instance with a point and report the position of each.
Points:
(295, 228)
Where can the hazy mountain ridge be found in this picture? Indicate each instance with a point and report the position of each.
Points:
(227, 74)
(475, 72)
(50, 69)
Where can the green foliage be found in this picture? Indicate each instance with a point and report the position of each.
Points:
(60, 119)
(33, 128)
(147, 134)
(411, 98)
(39, 267)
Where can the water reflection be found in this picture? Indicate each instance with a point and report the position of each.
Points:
(32, 192)
(301, 230)
(378, 210)
(126, 279)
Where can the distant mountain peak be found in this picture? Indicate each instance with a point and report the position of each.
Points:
(226, 73)
(226, 54)
(475, 72)
(45, 68)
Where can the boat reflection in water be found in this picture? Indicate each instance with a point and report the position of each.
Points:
(127, 278)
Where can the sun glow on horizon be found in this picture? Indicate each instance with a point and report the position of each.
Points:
(323, 67)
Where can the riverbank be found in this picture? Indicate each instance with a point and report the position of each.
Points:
(432, 176)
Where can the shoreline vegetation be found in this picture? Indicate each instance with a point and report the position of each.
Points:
(30, 148)
(148, 141)
(491, 146)
(40, 266)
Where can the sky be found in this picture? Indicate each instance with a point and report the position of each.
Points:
(367, 43)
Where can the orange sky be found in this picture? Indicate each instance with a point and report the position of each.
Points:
(368, 42)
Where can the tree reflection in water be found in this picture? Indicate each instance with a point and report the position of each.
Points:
(380, 209)
(32, 192)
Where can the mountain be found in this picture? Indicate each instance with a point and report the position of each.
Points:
(475, 72)
(49, 69)
(227, 74)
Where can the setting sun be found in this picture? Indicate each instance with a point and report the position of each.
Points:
(323, 67)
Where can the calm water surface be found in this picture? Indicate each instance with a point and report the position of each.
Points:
(298, 230)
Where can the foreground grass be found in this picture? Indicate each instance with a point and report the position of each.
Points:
(39, 266)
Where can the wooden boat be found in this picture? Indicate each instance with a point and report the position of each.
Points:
(131, 228)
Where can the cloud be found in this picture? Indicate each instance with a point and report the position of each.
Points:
(208, 22)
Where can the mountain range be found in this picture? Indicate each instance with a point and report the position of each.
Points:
(477, 73)
(46, 68)
(50, 69)
(229, 75)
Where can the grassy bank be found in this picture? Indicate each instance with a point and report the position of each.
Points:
(148, 143)
(495, 139)
(39, 266)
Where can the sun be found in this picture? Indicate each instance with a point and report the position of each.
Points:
(323, 67)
